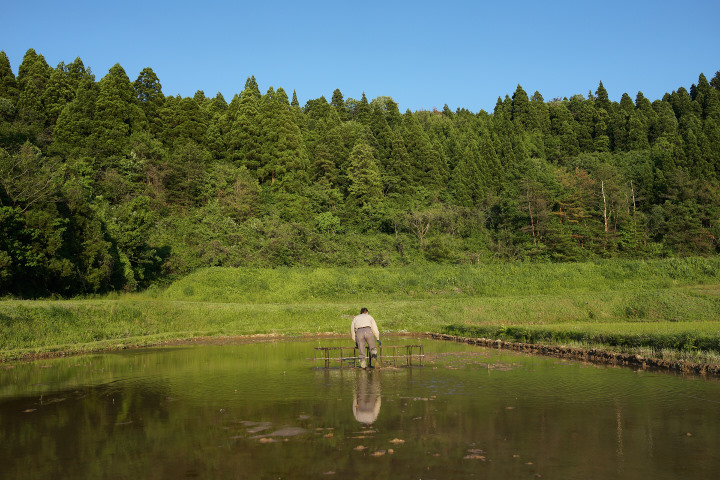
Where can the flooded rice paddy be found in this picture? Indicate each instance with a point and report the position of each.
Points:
(266, 410)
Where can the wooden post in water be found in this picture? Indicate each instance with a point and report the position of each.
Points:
(382, 360)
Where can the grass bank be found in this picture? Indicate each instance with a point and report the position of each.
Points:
(664, 306)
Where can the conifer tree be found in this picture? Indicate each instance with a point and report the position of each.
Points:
(116, 114)
(715, 82)
(200, 97)
(59, 92)
(74, 124)
(77, 72)
(695, 161)
(602, 100)
(539, 114)
(429, 168)
(184, 120)
(243, 137)
(493, 175)
(363, 111)
(467, 179)
(320, 114)
(33, 69)
(711, 132)
(214, 108)
(338, 103)
(521, 109)
(396, 174)
(324, 169)
(188, 164)
(682, 104)
(283, 157)
(32, 79)
(637, 132)
(382, 134)
(646, 114)
(584, 113)
(619, 129)
(365, 190)
(563, 142)
(149, 95)
(8, 83)
(393, 115)
(601, 140)
(666, 125)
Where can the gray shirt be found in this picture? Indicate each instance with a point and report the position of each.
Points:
(364, 320)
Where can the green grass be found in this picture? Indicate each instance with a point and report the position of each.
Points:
(307, 285)
(660, 306)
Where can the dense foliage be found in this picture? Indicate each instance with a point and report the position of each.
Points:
(110, 185)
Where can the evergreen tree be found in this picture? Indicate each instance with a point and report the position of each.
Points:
(503, 110)
(711, 131)
(185, 178)
(243, 137)
(283, 157)
(493, 175)
(184, 120)
(467, 179)
(521, 109)
(320, 114)
(583, 112)
(116, 114)
(74, 124)
(562, 143)
(388, 108)
(637, 132)
(338, 103)
(682, 104)
(539, 114)
(365, 190)
(715, 82)
(59, 92)
(619, 129)
(362, 111)
(666, 124)
(77, 72)
(200, 97)
(396, 174)
(646, 114)
(382, 134)
(32, 79)
(429, 168)
(8, 84)
(602, 100)
(149, 95)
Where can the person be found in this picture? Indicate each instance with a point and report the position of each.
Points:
(364, 331)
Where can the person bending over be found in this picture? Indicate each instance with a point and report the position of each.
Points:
(364, 331)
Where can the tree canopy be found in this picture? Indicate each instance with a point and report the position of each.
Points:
(109, 184)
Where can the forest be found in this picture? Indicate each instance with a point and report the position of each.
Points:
(109, 185)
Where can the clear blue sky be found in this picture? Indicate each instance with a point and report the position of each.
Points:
(424, 54)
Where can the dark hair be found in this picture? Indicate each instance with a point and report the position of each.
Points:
(363, 310)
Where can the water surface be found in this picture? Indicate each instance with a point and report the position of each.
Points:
(265, 410)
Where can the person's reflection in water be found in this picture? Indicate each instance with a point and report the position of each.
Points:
(366, 401)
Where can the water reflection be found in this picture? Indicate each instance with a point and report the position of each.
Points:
(367, 397)
(264, 411)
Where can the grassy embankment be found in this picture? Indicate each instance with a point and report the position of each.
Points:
(664, 308)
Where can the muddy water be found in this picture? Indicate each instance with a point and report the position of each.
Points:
(264, 410)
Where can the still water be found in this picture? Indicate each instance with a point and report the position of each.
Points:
(266, 410)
